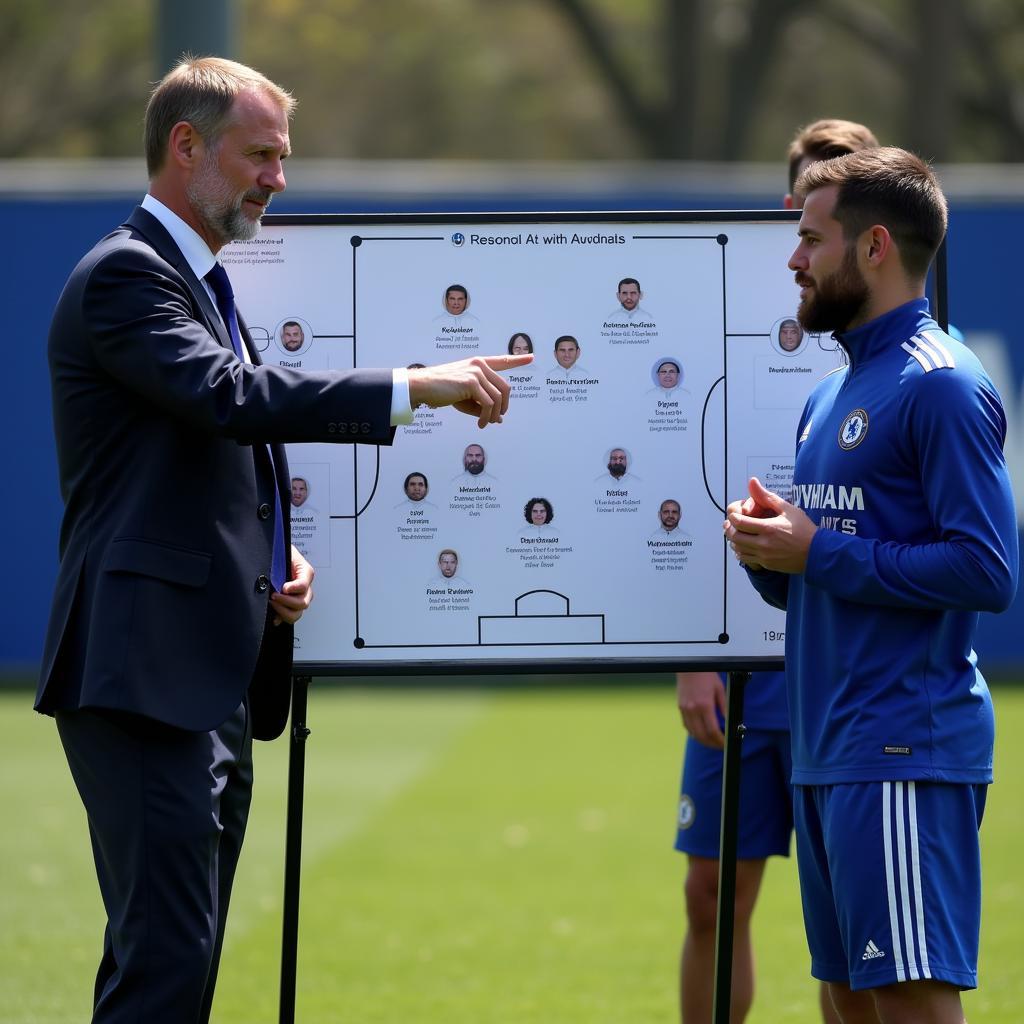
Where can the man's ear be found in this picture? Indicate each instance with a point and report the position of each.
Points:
(878, 244)
(184, 146)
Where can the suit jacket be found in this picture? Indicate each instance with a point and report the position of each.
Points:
(161, 601)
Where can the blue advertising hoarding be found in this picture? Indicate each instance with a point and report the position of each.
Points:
(48, 231)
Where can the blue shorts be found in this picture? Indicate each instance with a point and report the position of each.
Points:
(890, 879)
(766, 802)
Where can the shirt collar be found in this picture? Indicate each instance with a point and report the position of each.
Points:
(196, 252)
(892, 327)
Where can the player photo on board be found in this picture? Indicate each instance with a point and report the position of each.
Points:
(456, 327)
(787, 336)
(416, 487)
(539, 515)
(629, 310)
(293, 337)
(667, 375)
(309, 526)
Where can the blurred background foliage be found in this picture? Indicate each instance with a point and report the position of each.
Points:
(544, 79)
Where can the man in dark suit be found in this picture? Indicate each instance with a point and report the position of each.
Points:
(170, 638)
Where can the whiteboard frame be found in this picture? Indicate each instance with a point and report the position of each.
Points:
(526, 666)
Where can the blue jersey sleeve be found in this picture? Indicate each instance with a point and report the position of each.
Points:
(955, 427)
(772, 586)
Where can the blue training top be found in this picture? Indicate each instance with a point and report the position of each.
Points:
(899, 463)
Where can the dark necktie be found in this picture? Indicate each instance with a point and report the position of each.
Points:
(217, 278)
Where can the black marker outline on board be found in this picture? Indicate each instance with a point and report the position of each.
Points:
(359, 641)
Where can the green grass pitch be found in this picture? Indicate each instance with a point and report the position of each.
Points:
(470, 857)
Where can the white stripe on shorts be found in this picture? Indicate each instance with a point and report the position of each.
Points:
(890, 883)
(900, 912)
(916, 867)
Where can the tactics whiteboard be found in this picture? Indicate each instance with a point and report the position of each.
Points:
(586, 530)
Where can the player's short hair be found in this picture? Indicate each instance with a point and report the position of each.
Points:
(628, 280)
(886, 186)
(825, 139)
(565, 337)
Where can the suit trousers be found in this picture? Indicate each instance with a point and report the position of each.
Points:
(167, 811)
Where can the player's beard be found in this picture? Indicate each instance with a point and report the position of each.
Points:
(219, 207)
(616, 469)
(474, 468)
(835, 301)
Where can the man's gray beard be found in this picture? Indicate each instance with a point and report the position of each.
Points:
(217, 206)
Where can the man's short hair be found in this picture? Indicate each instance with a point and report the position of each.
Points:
(886, 186)
(565, 337)
(201, 91)
(291, 323)
(455, 288)
(825, 139)
(448, 551)
(628, 280)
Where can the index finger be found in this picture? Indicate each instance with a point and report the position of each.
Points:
(507, 362)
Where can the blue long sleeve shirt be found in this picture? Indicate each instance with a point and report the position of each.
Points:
(900, 465)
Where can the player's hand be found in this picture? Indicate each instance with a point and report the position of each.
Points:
(295, 596)
(770, 533)
(745, 507)
(472, 386)
(700, 695)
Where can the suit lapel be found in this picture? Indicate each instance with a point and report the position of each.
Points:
(156, 234)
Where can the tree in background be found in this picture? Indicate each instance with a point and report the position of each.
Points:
(546, 79)
(945, 76)
(73, 77)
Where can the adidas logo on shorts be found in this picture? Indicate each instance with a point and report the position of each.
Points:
(871, 952)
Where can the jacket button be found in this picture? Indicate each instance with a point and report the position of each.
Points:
(262, 583)
(263, 511)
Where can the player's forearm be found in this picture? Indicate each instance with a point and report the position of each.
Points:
(967, 574)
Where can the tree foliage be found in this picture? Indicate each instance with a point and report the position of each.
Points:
(74, 77)
(546, 79)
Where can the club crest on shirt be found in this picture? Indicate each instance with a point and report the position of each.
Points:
(853, 430)
(687, 812)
